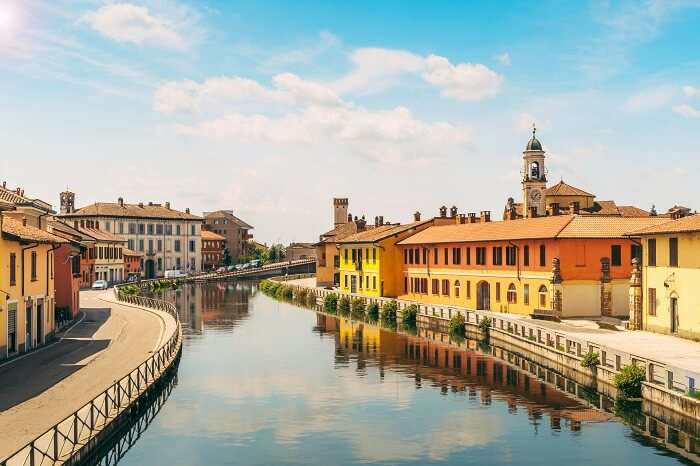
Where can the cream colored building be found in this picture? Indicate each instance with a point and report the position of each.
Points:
(108, 252)
(170, 239)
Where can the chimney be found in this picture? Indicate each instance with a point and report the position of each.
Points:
(167, 205)
(416, 216)
(349, 218)
(120, 201)
(443, 211)
(453, 211)
(554, 208)
(471, 217)
(381, 220)
(532, 212)
(141, 205)
(462, 219)
(573, 207)
(360, 223)
(485, 216)
(376, 221)
(187, 210)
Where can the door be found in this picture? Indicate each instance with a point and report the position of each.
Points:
(28, 337)
(674, 315)
(353, 284)
(39, 322)
(483, 296)
(150, 269)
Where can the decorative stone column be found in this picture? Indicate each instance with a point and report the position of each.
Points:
(635, 295)
(555, 288)
(605, 288)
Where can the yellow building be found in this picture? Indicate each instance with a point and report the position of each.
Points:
(370, 261)
(670, 277)
(26, 286)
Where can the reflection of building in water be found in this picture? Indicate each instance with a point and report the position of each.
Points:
(219, 306)
(509, 376)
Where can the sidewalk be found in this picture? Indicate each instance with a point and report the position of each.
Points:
(42, 388)
(665, 349)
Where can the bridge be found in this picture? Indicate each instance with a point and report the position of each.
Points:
(294, 267)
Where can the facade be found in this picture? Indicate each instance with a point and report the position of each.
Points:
(27, 282)
(108, 255)
(539, 200)
(297, 251)
(670, 277)
(235, 230)
(327, 252)
(566, 265)
(370, 261)
(132, 264)
(213, 246)
(170, 239)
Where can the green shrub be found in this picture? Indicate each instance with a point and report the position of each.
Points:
(284, 292)
(694, 394)
(373, 312)
(330, 303)
(532, 338)
(388, 314)
(485, 325)
(629, 381)
(409, 315)
(357, 308)
(456, 326)
(590, 359)
(344, 306)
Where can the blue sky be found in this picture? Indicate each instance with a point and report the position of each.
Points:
(272, 108)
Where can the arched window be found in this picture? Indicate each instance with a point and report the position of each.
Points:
(543, 296)
(457, 289)
(512, 294)
(446, 287)
(535, 170)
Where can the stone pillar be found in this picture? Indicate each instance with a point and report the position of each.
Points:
(605, 288)
(555, 288)
(635, 295)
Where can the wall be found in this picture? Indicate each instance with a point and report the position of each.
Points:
(326, 271)
(66, 285)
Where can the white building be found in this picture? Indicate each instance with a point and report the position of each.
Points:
(170, 239)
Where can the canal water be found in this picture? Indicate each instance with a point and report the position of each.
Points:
(263, 382)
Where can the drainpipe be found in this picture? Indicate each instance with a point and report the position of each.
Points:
(22, 263)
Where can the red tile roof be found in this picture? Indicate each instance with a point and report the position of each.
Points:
(563, 189)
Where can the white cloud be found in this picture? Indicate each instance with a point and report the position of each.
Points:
(326, 41)
(373, 66)
(464, 81)
(651, 99)
(126, 22)
(691, 91)
(687, 111)
(503, 59)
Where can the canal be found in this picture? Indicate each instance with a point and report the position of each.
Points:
(263, 382)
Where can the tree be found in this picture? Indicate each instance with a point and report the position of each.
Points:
(275, 253)
(227, 257)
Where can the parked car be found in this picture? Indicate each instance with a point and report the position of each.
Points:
(100, 285)
(231, 268)
(255, 263)
(175, 274)
(239, 266)
(221, 270)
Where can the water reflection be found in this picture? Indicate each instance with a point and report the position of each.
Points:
(265, 382)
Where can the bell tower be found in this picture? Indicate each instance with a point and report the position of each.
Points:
(67, 202)
(340, 211)
(534, 178)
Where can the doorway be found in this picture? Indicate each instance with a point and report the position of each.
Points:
(483, 296)
(150, 269)
(674, 314)
(28, 337)
(39, 322)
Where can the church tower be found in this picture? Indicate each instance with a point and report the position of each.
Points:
(67, 202)
(534, 178)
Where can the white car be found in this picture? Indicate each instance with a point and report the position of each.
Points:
(100, 285)
(175, 274)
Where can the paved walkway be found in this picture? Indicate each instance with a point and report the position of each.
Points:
(665, 349)
(44, 387)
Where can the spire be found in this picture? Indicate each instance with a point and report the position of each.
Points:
(534, 129)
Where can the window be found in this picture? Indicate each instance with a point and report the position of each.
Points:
(168, 230)
(457, 289)
(543, 296)
(159, 229)
(150, 245)
(141, 245)
(177, 230)
(446, 287)
(526, 295)
(497, 258)
(193, 230)
(345, 277)
(13, 269)
(480, 256)
(130, 244)
(457, 256)
(410, 256)
(636, 251)
(673, 252)
(367, 282)
(108, 226)
(616, 255)
(374, 282)
(651, 246)
(468, 290)
(142, 228)
(192, 245)
(405, 284)
(512, 294)
(354, 255)
(511, 255)
(436, 286)
(425, 256)
(446, 256)
(652, 301)
(34, 278)
(416, 256)
(177, 245)
(498, 292)
(435, 256)
(121, 228)
(526, 255)
(374, 256)
(405, 256)
(469, 256)
(160, 245)
(543, 256)
(150, 229)
(346, 256)
(424, 285)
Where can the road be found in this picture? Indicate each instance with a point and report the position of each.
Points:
(43, 387)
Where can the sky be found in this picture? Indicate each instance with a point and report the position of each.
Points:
(273, 108)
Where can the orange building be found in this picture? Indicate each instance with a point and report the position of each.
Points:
(213, 246)
(566, 265)
(133, 266)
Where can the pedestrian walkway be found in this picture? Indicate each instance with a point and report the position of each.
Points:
(44, 387)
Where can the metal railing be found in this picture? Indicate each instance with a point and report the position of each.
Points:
(77, 433)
